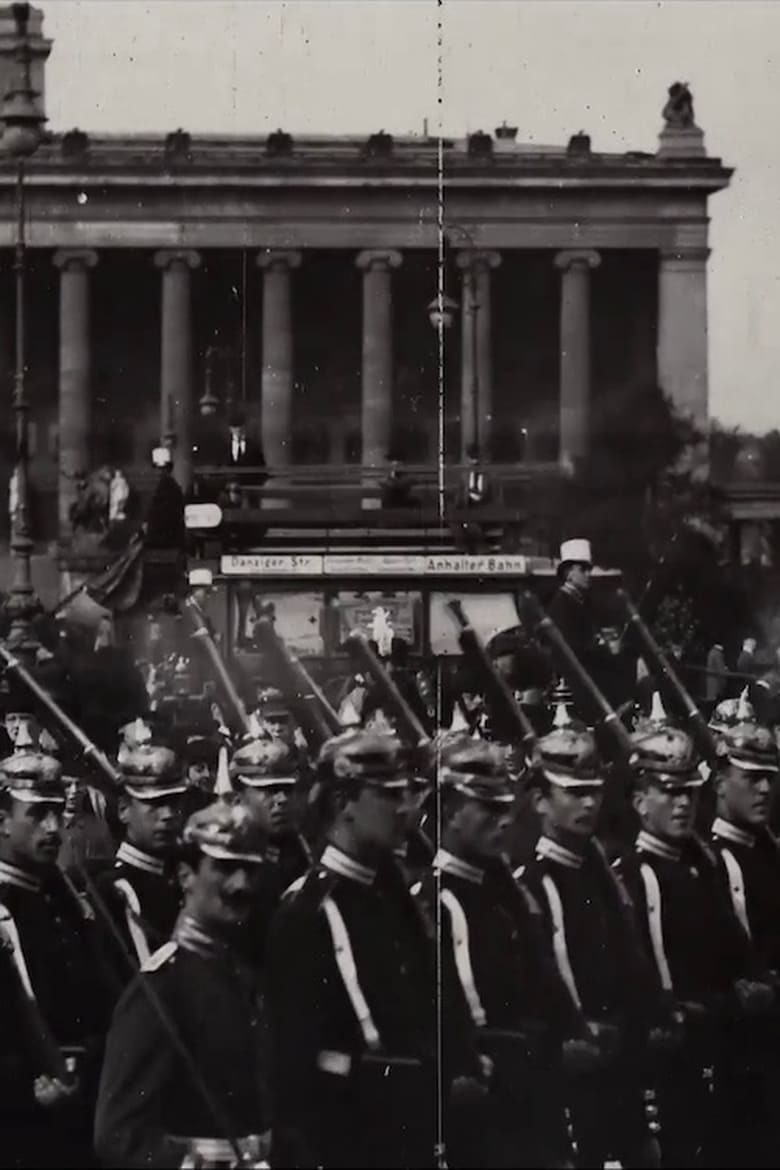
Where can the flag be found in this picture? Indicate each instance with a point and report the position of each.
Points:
(116, 589)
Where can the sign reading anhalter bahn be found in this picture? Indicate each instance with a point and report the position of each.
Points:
(367, 565)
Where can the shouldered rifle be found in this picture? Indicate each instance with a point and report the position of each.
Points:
(668, 679)
(510, 719)
(202, 634)
(311, 710)
(409, 726)
(578, 677)
(89, 751)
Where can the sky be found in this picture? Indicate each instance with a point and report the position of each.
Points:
(551, 67)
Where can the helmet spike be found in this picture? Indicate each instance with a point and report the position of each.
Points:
(223, 786)
(255, 730)
(561, 696)
(744, 709)
(657, 712)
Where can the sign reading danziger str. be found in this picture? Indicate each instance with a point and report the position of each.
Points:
(366, 565)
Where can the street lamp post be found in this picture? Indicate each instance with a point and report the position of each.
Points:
(441, 313)
(23, 124)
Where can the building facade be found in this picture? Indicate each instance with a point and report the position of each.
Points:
(294, 278)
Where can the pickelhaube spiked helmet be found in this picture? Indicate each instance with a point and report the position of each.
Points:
(263, 763)
(368, 757)
(664, 753)
(32, 775)
(750, 746)
(729, 712)
(149, 769)
(228, 830)
(568, 756)
(477, 769)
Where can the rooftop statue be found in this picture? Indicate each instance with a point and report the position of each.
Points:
(678, 111)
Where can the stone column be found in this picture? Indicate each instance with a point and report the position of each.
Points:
(176, 357)
(75, 367)
(575, 266)
(682, 330)
(277, 382)
(476, 410)
(377, 370)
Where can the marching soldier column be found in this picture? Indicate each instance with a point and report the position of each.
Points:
(387, 949)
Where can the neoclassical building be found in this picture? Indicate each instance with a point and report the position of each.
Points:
(294, 276)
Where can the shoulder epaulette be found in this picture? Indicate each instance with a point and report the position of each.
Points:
(161, 956)
(316, 885)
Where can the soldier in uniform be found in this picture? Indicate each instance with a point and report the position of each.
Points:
(352, 982)
(140, 890)
(504, 972)
(184, 1079)
(702, 960)
(56, 1003)
(589, 919)
(265, 772)
(749, 868)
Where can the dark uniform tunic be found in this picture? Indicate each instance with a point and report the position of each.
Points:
(349, 1094)
(698, 952)
(150, 1093)
(588, 916)
(143, 899)
(56, 938)
(519, 1007)
(749, 868)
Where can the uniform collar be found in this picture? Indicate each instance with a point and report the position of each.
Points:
(552, 851)
(129, 855)
(345, 866)
(192, 936)
(447, 862)
(13, 875)
(735, 836)
(649, 843)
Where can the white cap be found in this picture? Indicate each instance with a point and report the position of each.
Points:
(576, 550)
(201, 577)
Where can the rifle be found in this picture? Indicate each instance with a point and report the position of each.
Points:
(202, 634)
(89, 751)
(665, 673)
(578, 677)
(510, 719)
(312, 711)
(409, 726)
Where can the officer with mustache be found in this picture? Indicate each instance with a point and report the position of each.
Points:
(184, 1080)
(51, 981)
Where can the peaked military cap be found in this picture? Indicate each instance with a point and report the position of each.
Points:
(477, 769)
(750, 746)
(271, 701)
(263, 763)
(33, 776)
(228, 830)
